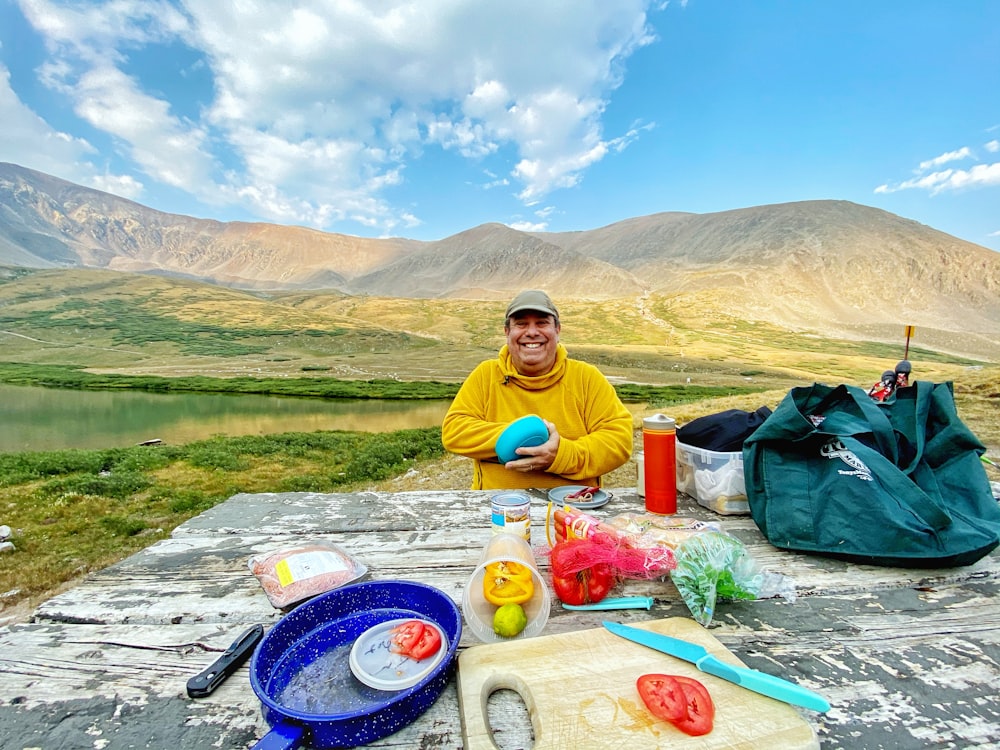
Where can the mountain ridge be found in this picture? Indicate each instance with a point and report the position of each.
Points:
(830, 266)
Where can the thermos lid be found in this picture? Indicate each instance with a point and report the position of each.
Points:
(659, 423)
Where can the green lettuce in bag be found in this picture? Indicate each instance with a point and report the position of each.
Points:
(714, 565)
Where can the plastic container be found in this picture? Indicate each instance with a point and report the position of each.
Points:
(659, 448)
(479, 611)
(714, 479)
(524, 432)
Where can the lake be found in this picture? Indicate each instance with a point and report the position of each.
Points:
(44, 419)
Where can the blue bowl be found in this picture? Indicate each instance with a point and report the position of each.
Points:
(526, 431)
(310, 647)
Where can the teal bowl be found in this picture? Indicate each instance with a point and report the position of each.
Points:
(526, 431)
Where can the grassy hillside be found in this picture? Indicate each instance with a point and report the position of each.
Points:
(144, 325)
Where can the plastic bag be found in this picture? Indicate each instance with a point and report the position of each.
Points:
(629, 553)
(715, 565)
(289, 576)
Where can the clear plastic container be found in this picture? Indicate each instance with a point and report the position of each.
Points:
(479, 611)
(714, 479)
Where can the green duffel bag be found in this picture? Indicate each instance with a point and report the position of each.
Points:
(897, 483)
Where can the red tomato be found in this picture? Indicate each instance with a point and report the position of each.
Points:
(700, 709)
(428, 645)
(406, 635)
(663, 696)
(415, 639)
(682, 701)
(579, 587)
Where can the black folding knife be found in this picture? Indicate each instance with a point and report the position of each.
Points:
(204, 683)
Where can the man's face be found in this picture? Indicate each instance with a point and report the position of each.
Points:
(531, 340)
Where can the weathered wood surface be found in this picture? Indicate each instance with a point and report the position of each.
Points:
(908, 658)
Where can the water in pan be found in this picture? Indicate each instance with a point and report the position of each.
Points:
(327, 686)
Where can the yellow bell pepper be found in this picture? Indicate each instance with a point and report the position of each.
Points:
(507, 582)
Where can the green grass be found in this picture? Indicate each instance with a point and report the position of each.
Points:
(71, 376)
(75, 511)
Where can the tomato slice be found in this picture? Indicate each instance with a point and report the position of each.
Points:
(700, 709)
(682, 701)
(406, 635)
(428, 645)
(663, 696)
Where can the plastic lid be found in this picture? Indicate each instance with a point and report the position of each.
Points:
(374, 663)
(659, 423)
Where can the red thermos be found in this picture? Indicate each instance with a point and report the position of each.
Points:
(659, 444)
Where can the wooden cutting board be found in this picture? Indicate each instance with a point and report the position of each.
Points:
(579, 689)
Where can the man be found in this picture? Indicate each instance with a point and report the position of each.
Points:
(590, 430)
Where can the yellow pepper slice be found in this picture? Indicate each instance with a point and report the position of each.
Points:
(507, 582)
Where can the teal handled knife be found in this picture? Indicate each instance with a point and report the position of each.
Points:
(751, 679)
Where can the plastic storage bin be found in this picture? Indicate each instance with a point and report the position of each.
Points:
(714, 479)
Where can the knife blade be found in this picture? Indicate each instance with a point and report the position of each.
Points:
(206, 681)
(751, 679)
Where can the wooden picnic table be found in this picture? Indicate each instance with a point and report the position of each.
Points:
(907, 658)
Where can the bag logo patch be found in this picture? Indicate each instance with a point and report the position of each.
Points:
(836, 449)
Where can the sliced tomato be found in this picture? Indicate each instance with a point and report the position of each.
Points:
(663, 696)
(682, 701)
(428, 645)
(415, 639)
(700, 709)
(406, 635)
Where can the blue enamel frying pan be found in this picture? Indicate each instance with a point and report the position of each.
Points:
(301, 672)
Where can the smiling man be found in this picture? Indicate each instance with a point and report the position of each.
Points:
(590, 430)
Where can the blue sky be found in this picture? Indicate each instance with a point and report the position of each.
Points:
(425, 118)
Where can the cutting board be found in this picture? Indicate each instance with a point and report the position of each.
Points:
(579, 689)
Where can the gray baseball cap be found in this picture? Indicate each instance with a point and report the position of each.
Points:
(532, 299)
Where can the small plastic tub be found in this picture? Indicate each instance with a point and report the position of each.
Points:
(479, 611)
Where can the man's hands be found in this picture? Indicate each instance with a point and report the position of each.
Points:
(537, 457)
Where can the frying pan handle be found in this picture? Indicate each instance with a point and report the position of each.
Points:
(283, 736)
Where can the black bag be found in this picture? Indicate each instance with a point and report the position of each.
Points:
(723, 432)
(897, 483)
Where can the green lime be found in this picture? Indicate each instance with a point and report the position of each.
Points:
(509, 620)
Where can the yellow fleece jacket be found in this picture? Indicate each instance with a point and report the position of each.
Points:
(594, 426)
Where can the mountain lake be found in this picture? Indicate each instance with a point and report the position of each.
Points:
(46, 419)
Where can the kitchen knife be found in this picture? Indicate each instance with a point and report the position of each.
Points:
(751, 679)
(205, 682)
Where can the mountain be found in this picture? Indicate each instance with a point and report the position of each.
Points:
(835, 267)
(46, 222)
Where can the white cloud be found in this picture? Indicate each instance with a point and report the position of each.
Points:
(527, 226)
(29, 141)
(977, 176)
(318, 108)
(123, 185)
(937, 161)
(981, 175)
(167, 148)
